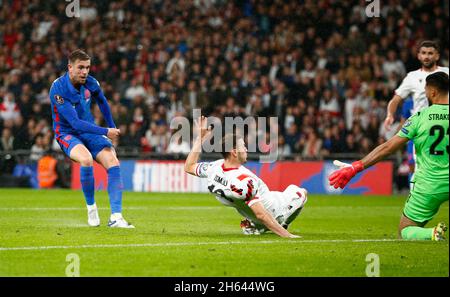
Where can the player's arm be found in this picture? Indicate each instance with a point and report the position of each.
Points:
(65, 109)
(403, 91)
(191, 163)
(104, 108)
(391, 109)
(260, 211)
(341, 177)
(267, 219)
(384, 150)
(97, 92)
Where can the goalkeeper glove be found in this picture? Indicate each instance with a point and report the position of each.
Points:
(341, 177)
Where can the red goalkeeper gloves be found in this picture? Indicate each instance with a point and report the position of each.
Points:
(341, 177)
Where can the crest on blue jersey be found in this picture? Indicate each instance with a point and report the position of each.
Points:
(87, 95)
(59, 99)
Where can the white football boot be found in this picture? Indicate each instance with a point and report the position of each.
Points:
(117, 221)
(248, 227)
(93, 218)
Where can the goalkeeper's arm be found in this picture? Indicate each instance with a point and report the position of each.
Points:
(341, 177)
(383, 150)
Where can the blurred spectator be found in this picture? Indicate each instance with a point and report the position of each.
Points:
(292, 137)
(402, 176)
(38, 148)
(47, 170)
(7, 140)
(327, 142)
(134, 90)
(177, 145)
(283, 149)
(132, 138)
(312, 146)
(393, 65)
(351, 146)
(326, 70)
(329, 104)
(9, 110)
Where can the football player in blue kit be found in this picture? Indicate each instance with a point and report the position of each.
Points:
(81, 139)
(407, 108)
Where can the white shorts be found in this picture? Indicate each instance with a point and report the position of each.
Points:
(291, 199)
(283, 204)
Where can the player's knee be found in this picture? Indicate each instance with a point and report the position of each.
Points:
(296, 190)
(111, 161)
(291, 190)
(86, 160)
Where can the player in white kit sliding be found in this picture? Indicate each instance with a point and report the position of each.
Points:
(236, 186)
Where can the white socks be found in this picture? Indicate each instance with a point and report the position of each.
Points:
(91, 207)
(116, 216)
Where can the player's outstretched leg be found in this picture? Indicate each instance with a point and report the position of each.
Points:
(411, 230)
(115, 198)
(107, 157)
(420, 209)
(88, 186)
(80, 154)
(296, 205)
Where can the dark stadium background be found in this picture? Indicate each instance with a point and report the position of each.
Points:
(324, 68)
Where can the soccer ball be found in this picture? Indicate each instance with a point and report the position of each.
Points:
(243, 188)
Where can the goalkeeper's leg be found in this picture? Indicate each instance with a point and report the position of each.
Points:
(410, 231)
(420, 209)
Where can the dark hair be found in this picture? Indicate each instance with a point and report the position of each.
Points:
(78, 55)
(229, 141)
(438, 80)
(429, 43)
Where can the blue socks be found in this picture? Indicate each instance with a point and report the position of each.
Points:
(115, 189)
(87, 184)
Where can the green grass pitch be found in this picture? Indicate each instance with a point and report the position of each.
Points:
(193, 235)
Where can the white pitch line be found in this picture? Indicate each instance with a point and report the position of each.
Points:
(174, 244)
(56, 208)
(129, 208)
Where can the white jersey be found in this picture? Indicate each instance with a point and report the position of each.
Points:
(220, 180)
(414, 83)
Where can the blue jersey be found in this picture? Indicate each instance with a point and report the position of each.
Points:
(71, 107)
(407, 108)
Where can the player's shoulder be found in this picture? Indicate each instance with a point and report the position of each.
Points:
(59, 90)
(422, 115)
(414, 74)
(92, 83)
(59, 83)
(216, 163)
(243, 172)
(443, 69)
(210, 166)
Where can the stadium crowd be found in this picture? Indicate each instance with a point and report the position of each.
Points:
(323, 67)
